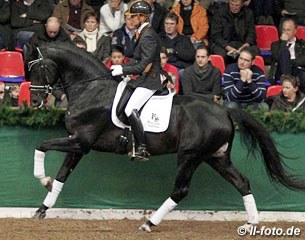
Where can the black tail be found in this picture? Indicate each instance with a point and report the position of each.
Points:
(253, 133)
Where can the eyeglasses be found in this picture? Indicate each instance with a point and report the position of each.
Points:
(244, 59)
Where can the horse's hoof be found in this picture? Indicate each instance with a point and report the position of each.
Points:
(145, 228)
(247, 227)
(39, 214)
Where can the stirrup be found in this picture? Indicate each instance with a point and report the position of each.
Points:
(141, 154)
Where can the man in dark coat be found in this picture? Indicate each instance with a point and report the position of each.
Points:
(5, 26)
(288, 54)
(157, 16)
(202, 79)
(146, 64)
(27, 17)
(232, 29)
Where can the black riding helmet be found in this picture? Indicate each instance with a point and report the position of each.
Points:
(139, 7)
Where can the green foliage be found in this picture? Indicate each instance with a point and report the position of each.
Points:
(31, 117)
(276, 121)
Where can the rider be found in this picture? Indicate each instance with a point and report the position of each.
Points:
(146, 64)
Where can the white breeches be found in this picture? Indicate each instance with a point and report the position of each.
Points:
(139, 97)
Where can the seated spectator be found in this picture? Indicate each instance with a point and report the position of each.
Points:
(71, 13)
(117, 57)
(292, 9)
(202, 78)
(232, 29)
(171, 70)
(50, 32)
(180, 50)
(125, 37)
(291, 98)
(264, 11)
(9, 94)
(193, 21)
(244, 83)
(288, 54)
(27, 17)
(168, 4)
(112, 16)
(80, 43)
(157, 16)
(97, 43)
(6, 40)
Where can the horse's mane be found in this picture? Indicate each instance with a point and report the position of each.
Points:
(70, 53)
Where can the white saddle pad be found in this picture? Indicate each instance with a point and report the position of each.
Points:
(154, 115)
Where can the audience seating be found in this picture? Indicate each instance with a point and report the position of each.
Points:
(300, 32)
(259, 61)
(265, 35)
(218, 61)
(11, 67)
(24, 94)
(273, 90)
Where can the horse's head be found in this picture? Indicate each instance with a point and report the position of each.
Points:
(42, 72)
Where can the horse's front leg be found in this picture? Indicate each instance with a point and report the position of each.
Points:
(187, 164)
(69, 164)
(66, 144)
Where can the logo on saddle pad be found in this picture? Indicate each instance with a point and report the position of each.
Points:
(154, 115)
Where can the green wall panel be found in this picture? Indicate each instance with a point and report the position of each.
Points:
(104, 180)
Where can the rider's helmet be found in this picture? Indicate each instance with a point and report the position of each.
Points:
(139, 7)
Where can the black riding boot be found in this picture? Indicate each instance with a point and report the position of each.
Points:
(138, 131)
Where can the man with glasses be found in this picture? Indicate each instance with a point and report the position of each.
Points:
(244, 83)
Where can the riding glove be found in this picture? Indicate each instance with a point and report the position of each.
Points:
(116, 70)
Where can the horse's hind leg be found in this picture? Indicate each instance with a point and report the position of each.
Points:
(187, 165)
(225, 168)
(70, 162)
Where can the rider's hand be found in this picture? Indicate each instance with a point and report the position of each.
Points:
(116, 70)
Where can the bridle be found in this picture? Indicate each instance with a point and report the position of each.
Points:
(44, 68)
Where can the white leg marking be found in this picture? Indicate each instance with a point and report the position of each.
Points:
(52, 196)
(39, 171)
(165, 208)
(251, 209)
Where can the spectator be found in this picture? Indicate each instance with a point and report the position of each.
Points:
(171, 70)
(288, 54)
(117, 57)
(244, 83)
(291, 98)
(112, 16)
(292, 9)
(50, 32)
(80, 43)
(5, 25)
(264, 11)
(168, 4)
(157, 16)
(180, 50)
(125, 37)
(97, 43)
(232, 29)
(202, 78)
(71, 13)
(193, 21)
(27, 17)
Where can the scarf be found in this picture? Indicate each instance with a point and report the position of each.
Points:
(91, 39)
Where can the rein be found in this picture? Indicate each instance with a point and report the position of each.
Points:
(48, 88)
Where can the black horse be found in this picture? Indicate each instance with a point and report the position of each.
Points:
(199, 131)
